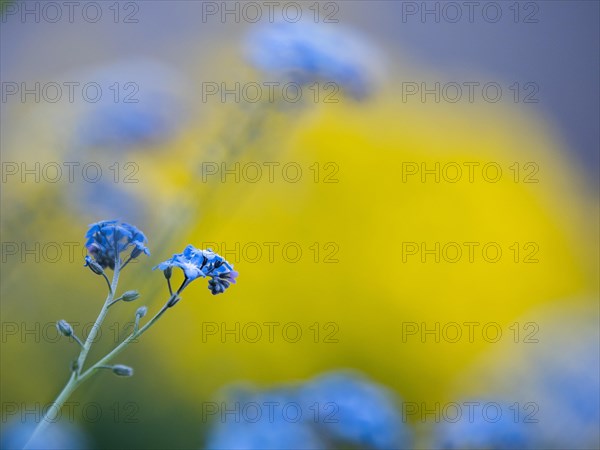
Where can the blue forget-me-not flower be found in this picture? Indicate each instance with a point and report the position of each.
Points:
(197, 263)
(106, 240)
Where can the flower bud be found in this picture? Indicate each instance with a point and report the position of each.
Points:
(130, 296)
(64, 328)
(167, 272)
(122, 371)
(141, 312)
(93, 265)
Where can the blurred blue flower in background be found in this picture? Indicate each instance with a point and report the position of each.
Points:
(262, 420)
(497, 426)
(107, 198)
(565, 381)
(360, 412)
(141, 103)
(337, 410)
(305, 53)
(59, 436)
(554, 382)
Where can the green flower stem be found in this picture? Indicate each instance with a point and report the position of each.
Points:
(76, 339)
(77, 377)
(119, 348)
(94, 331)
(54, 410)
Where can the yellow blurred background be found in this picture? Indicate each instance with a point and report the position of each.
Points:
(360, 291)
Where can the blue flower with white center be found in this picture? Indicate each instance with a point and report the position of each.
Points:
(354, 411)
(491, 425)
(305, 52)
(106, 240)
(197, 263)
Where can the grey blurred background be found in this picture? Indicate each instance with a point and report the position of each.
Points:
(554, 44)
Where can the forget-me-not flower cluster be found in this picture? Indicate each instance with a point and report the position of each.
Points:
(197, 263)
(106, 240)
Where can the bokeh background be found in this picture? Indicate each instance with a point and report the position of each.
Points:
(369, 291)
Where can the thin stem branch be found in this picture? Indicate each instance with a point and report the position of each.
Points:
(126, 262)
(110, 289)
(53, 412)
(94, 331)
(77, 377)
(77, 340)
(119, 348)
